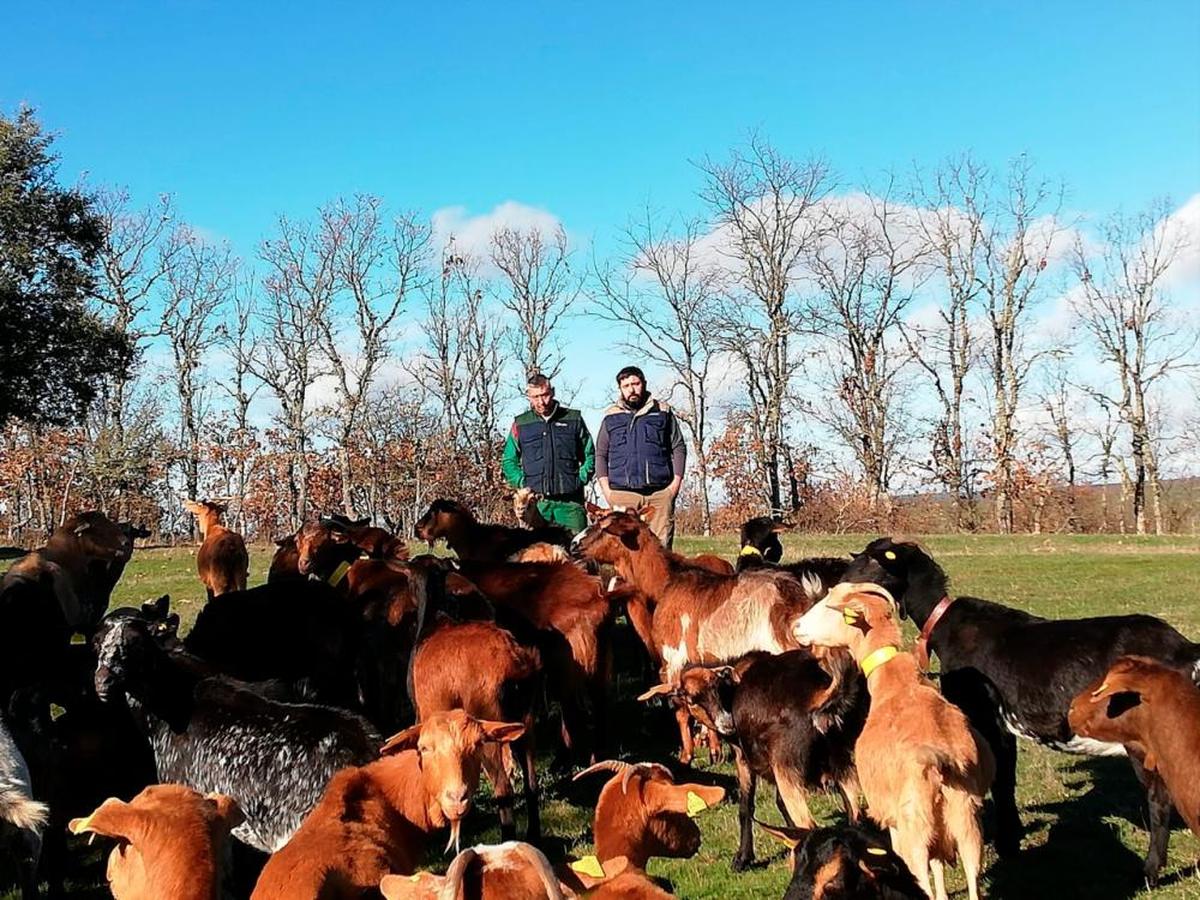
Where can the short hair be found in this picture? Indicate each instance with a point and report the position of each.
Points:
(537, 379)
(631, 370)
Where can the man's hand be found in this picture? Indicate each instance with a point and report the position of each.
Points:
(675, 486)
(603, 482)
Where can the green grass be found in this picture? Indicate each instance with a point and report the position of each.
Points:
(1085, 834)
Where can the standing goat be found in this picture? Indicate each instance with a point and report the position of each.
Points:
(222, 560)
(924, 771)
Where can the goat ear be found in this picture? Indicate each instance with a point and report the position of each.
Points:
(82, 527)
(421, 886)
(593, 510)
(853, 614)
(1122, 702)
(789, 837)
(657, 691)
(780, 528)
(112, 818)
(683, 798)
(501, 732)
(645, 513)
(402, 740)
(157, 608)
(227, 809)
(729, 673)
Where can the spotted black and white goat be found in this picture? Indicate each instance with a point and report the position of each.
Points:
(212, 733)
(21, 817)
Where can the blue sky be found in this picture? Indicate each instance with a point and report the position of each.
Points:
(247, 110)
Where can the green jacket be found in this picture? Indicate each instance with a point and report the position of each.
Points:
(553, 456)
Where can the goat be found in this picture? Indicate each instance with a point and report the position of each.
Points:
(170, 842)
(474, 540)
(21, 817)
(1154, 711)
(791, 722)
(319, 549)
(1007, 671)
(213, 734)
(844, 862)
(301, 631)
(525, 508)
(222, 560)
(479, 667)
(373, 820)
(698, 615)
(509, 871)
(924, 770)
(759, 539)
(642, 813)
(51, 593)
(567, 614)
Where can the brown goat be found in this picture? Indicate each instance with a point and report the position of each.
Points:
(222, 560)
(923, 769)
(1154, 711)
(170, 842)
(320, 548)
(373, 820)
(479, 667)
(698, 615)
(572, 611)
(525, 508)
(471, 539)
(642, 813)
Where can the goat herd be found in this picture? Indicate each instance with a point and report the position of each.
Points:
(266, 721)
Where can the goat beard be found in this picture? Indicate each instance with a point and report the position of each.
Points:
(455, 826)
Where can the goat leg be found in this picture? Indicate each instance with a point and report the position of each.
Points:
(744, 857)
(1160, 807)
(524, 749)
(688, 751)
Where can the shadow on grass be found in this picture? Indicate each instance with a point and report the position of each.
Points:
(1079, 854)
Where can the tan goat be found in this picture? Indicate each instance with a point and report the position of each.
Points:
(222, 560)
(923, 770)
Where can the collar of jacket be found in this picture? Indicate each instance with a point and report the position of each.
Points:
(650, 405)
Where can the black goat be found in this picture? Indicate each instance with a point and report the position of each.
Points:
(759, 539)
(790, 721)
(290, 631)
(1014, 674)
(214, 734)
(844, 862)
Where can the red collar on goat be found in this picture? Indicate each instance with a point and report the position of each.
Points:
(922, 648)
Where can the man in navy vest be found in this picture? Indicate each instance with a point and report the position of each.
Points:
(641, 454)
(549, 450)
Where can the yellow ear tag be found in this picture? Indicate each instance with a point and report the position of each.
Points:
(1100, 690)
(56, 712)
(338, 574)
(590, 866)
(850, 616)
(889, 554)
(78, 638)
(414, 878)
(695, 804)
(877, 851)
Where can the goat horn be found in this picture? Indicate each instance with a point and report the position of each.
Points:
(538, 860)
(609, 765)
(644, 767)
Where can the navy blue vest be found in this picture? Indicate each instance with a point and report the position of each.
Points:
(639, 449)
(550, 451)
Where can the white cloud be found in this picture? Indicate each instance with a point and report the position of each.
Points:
(473, 233)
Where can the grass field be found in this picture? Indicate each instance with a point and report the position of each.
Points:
(1085, 834)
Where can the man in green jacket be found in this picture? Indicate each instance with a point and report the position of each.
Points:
(549, 450)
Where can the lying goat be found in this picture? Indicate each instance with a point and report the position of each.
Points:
(374, 820)
(171, 842)
(1007, 669)
(924, 771)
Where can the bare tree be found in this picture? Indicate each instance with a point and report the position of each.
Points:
(867, 268)
(1059, 400)
(763, 203)
(664, 291)
(239, 344)
(199, 281)
(463, 360)
(375, 267)
(540, 288)
(953, 202)
(299, 284)
(139, 247)
(1122, 303)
